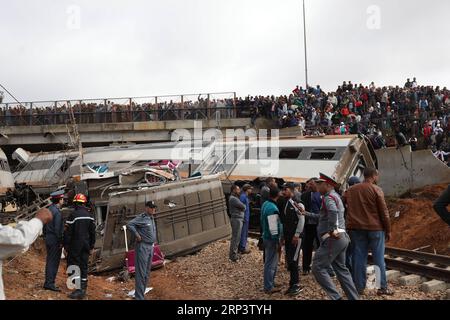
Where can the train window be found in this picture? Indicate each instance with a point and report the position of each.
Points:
(322, 155)
(290, 153)
(4, 165)
(258, 153)
(40, 165)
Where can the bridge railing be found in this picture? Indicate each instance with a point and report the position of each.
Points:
(209, 106)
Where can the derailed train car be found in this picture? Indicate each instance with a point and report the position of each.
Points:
(193, 211)
(191, 214)
(6, 181)
(293, 159)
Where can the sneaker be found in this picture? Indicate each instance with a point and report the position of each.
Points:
(385, 292)
(294, 290)
(272, 291)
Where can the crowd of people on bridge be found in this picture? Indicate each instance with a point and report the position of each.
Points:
(411, 114)
(418, 114)
(109, 111)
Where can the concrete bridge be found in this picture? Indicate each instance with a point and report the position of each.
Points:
(104, 133)
(50, 124)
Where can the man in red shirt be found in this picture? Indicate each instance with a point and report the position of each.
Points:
(427, 134)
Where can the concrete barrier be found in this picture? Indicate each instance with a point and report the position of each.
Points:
(402, 170)
(150, 131)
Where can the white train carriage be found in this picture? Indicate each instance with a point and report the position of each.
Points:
(6, 178)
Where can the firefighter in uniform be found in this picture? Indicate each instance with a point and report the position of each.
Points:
(333, 243)
(53, 233)
(144, 228)
(79, 241)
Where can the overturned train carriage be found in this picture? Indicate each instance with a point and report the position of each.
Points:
(6, 178)
(191, 214)
(6, 181)
(291, 159)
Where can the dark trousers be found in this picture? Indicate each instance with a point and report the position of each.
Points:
(80, 259)
(143, 264)
(310, 234)
(292, 265)
(52, 264)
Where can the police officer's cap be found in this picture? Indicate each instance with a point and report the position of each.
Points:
(151, 205)
(327, 179)
(57, 194)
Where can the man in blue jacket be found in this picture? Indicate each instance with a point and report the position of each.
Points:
(144, 228)
(54, 241)
(246, 192)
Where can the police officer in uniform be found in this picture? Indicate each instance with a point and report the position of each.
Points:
(144, 228)
(79, 241)
(53, 233)
(334, 242)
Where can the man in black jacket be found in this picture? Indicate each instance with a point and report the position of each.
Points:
(79, 241)
(440, 205)
(293, 223)
(311, 199)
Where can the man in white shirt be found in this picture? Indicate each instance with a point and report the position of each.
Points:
(17, 240)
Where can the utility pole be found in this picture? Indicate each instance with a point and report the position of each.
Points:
(77, 139)
(304, 39)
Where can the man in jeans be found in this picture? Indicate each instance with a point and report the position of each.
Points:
(237, 213)
(369, 226)
(246, 192)
(272, 235)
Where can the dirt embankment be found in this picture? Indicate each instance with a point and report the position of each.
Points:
(24, 277)
(206, 275)
(418, 225)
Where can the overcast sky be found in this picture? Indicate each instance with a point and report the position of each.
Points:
(117, 48)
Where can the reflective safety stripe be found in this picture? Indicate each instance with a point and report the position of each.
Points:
(79, 218)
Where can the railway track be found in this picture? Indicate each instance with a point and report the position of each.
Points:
(428, 265)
